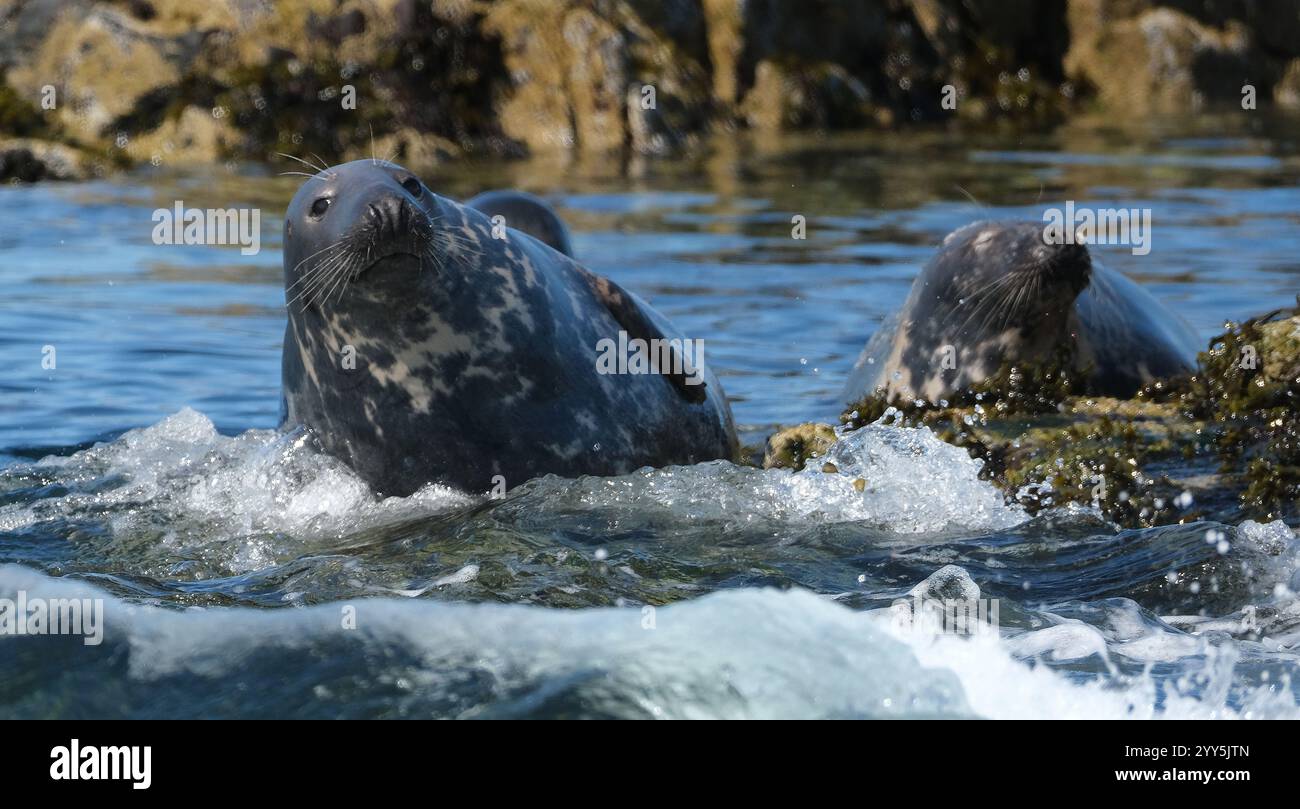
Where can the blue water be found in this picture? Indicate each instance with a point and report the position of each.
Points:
(211, 509)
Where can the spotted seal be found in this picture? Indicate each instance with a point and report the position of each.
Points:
(999, 294)
(423, 348)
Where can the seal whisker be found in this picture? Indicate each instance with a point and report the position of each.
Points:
(311, 280)
(319, 276)
(996, 313)
(338, 270)
(1011, 305)
(308, 164)
(971, 197)
(988, 295)
(339, 281)
(317, 295)
(318, 252)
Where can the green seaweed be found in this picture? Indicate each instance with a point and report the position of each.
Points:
(1221, 443)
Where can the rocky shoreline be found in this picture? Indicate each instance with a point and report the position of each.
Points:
(89, 87)
(1222, 444)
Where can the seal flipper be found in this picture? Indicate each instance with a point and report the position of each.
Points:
(526, 214)
(624, 307)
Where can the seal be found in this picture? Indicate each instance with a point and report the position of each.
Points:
(527, 214)
(422, 348)
(1001, 294)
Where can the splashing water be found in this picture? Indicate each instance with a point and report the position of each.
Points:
(679, 564)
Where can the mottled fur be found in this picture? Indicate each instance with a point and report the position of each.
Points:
(474, 356)
(998, 294)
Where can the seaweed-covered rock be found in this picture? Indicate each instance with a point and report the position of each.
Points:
(601, 76)
(1222, 444)
(1145, 56)
(795, 96)
(794, 447)
(161, 80)
(1250, 390)
(104, 65)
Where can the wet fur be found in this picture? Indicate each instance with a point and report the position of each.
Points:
(474, 359)
(998, 294)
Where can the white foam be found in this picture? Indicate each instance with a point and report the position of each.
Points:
(911, 483)
(192, 485)
(732, 654)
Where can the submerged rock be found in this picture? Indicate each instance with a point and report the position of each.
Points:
(949, 582)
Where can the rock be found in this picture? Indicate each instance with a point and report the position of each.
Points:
(104, 65)
(1249, 389)
(579, 73)
(168, 79)
(793, 447)
(661, 129)
(29, 161)
(851, 33)
(821, 95)
(789, 65)
(409, 147)
(195, 136)
(536, 110)
(1286, 93)
(948, 600)
(948, 583)
(1161, 59)
(164, 80)
(726, 43)
(20, 115)
(1222, 444)
(597, 80)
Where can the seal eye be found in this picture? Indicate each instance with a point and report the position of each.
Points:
(320, 206)
(413, 186)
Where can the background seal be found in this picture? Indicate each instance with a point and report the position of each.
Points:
(999, 293)
(528, 214)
